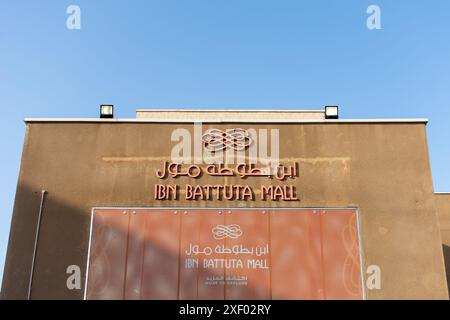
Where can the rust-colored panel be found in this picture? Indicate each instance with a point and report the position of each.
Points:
(227, 254)
(161, 256)
(196, 230)
(108, 255)
(341, 266)
(135, 255)
(188, 280)
(296, 256)
(256, 267)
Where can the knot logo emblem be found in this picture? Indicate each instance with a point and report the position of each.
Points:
(236, 139)
(232, 231)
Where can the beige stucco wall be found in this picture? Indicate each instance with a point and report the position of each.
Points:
(383, 169)
(443, 210)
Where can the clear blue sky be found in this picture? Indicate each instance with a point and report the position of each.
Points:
(214, 54)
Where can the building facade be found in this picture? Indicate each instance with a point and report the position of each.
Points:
(227, 205)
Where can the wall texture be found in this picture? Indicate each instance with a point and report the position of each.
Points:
(382, 169)
(443, 210)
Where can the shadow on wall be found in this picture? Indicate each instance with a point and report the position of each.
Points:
(446, 250)
(63, 241)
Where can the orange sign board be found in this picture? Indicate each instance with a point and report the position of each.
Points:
(224, 254)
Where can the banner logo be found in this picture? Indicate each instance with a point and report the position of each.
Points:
(232, 231)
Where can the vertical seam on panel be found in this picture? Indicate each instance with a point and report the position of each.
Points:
(126, 259)
(143, 257)
(88, 260)
(270, 257)
(179, 255)
(321, 256)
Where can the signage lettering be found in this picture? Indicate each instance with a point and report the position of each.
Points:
(231, 141)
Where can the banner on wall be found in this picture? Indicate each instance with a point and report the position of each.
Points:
(224, 254)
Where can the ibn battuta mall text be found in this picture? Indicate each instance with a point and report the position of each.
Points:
(225, 192)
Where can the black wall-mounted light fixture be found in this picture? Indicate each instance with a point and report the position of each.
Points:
(106, 111)
(331, 112)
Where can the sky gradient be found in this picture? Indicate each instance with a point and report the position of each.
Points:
(222, 54)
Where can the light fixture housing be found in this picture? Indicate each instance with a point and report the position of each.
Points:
(331, 112)
(106, 111)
